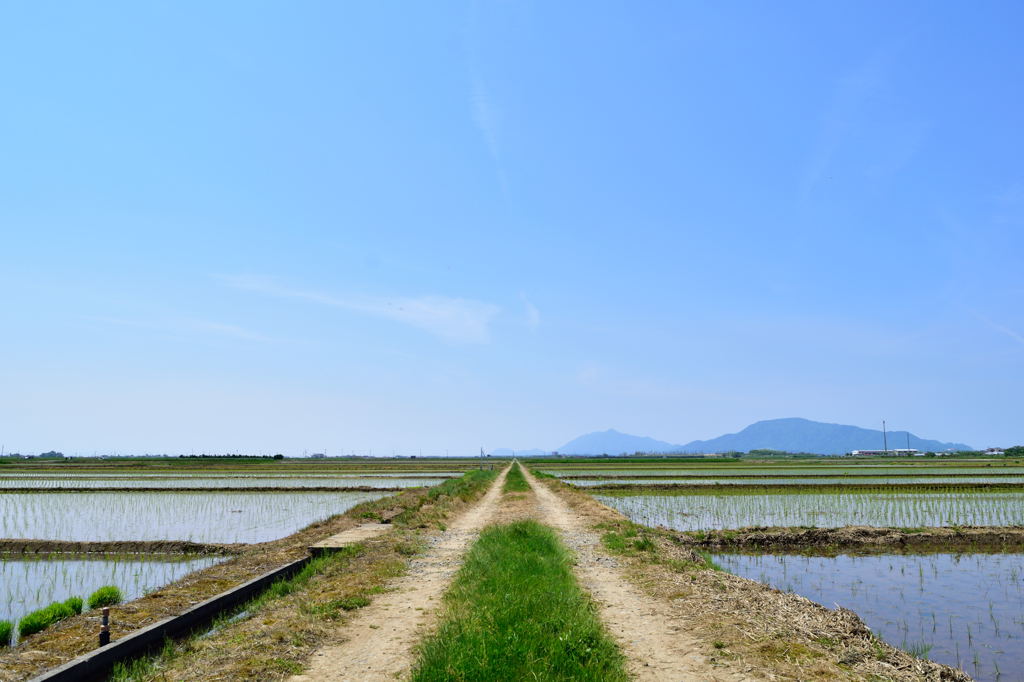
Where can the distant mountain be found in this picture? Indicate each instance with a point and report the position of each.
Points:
(611, 442)
(789, 435)
(803, 435)
(508, 452)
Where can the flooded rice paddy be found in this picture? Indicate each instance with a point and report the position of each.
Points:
(866, 470)
(241, 482)
(27, 584)
(963, 610)
(699, 511)
(215, 517)
(859, 480)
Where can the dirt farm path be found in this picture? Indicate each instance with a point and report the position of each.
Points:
(379, 640)
(651, 637)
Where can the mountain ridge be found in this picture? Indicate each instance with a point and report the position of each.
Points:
(790, 434)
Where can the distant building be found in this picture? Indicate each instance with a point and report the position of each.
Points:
(318, 455)
(896, 452)
(995, 452)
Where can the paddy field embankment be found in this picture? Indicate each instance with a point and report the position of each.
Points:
(642, 596)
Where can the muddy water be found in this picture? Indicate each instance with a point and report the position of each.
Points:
(27, 584)
(968, 608)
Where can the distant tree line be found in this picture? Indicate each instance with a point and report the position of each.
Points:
(232, 456)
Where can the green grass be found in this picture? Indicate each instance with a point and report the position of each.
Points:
(142, 668)
(148, 667)
(515, 482)
(709, 561)
(108, 595)
(39, 620)
(75, 604)
(627, 542)
(515, 612)
(6, 630)
(917, 649)
(315, 566)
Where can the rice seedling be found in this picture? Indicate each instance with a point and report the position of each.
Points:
(200, 517)
(721, 509)
(108, 595)
(218, 481)
(39, 620)
(903, 598)
(783, 481)
(29, 583)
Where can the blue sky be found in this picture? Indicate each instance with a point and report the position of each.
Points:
(268, 227)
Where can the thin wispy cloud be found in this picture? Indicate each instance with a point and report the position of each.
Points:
(532, 314)
(1002, 329)
(486, 116)
(485, 113)
(849, 98)
(454, 319)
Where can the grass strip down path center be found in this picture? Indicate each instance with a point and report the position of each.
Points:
(515, 482)
(516, 612)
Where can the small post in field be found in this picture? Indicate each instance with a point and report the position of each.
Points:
(105, 628)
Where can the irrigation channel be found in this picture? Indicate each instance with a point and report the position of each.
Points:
(831, 572)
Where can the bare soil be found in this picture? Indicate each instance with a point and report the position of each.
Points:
(827, 541)
(657, 645)
(673, 619)
(740, 627)
(379, 642)
(48, 547)
(77, 635)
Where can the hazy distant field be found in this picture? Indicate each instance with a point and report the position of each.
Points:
(111, 508)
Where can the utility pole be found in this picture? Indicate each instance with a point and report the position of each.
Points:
(885, 438)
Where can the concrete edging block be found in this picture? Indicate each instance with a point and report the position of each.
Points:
(99, 662)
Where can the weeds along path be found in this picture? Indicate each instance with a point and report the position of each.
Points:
(654, 641)
(377, 644)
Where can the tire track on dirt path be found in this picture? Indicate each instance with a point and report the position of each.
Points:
(653, 640)
(379, 639)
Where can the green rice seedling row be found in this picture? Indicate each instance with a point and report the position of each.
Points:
(700, 511)
(193, 482)
(791, 472)
(859, 480)
(30, 583)
(215, 517)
